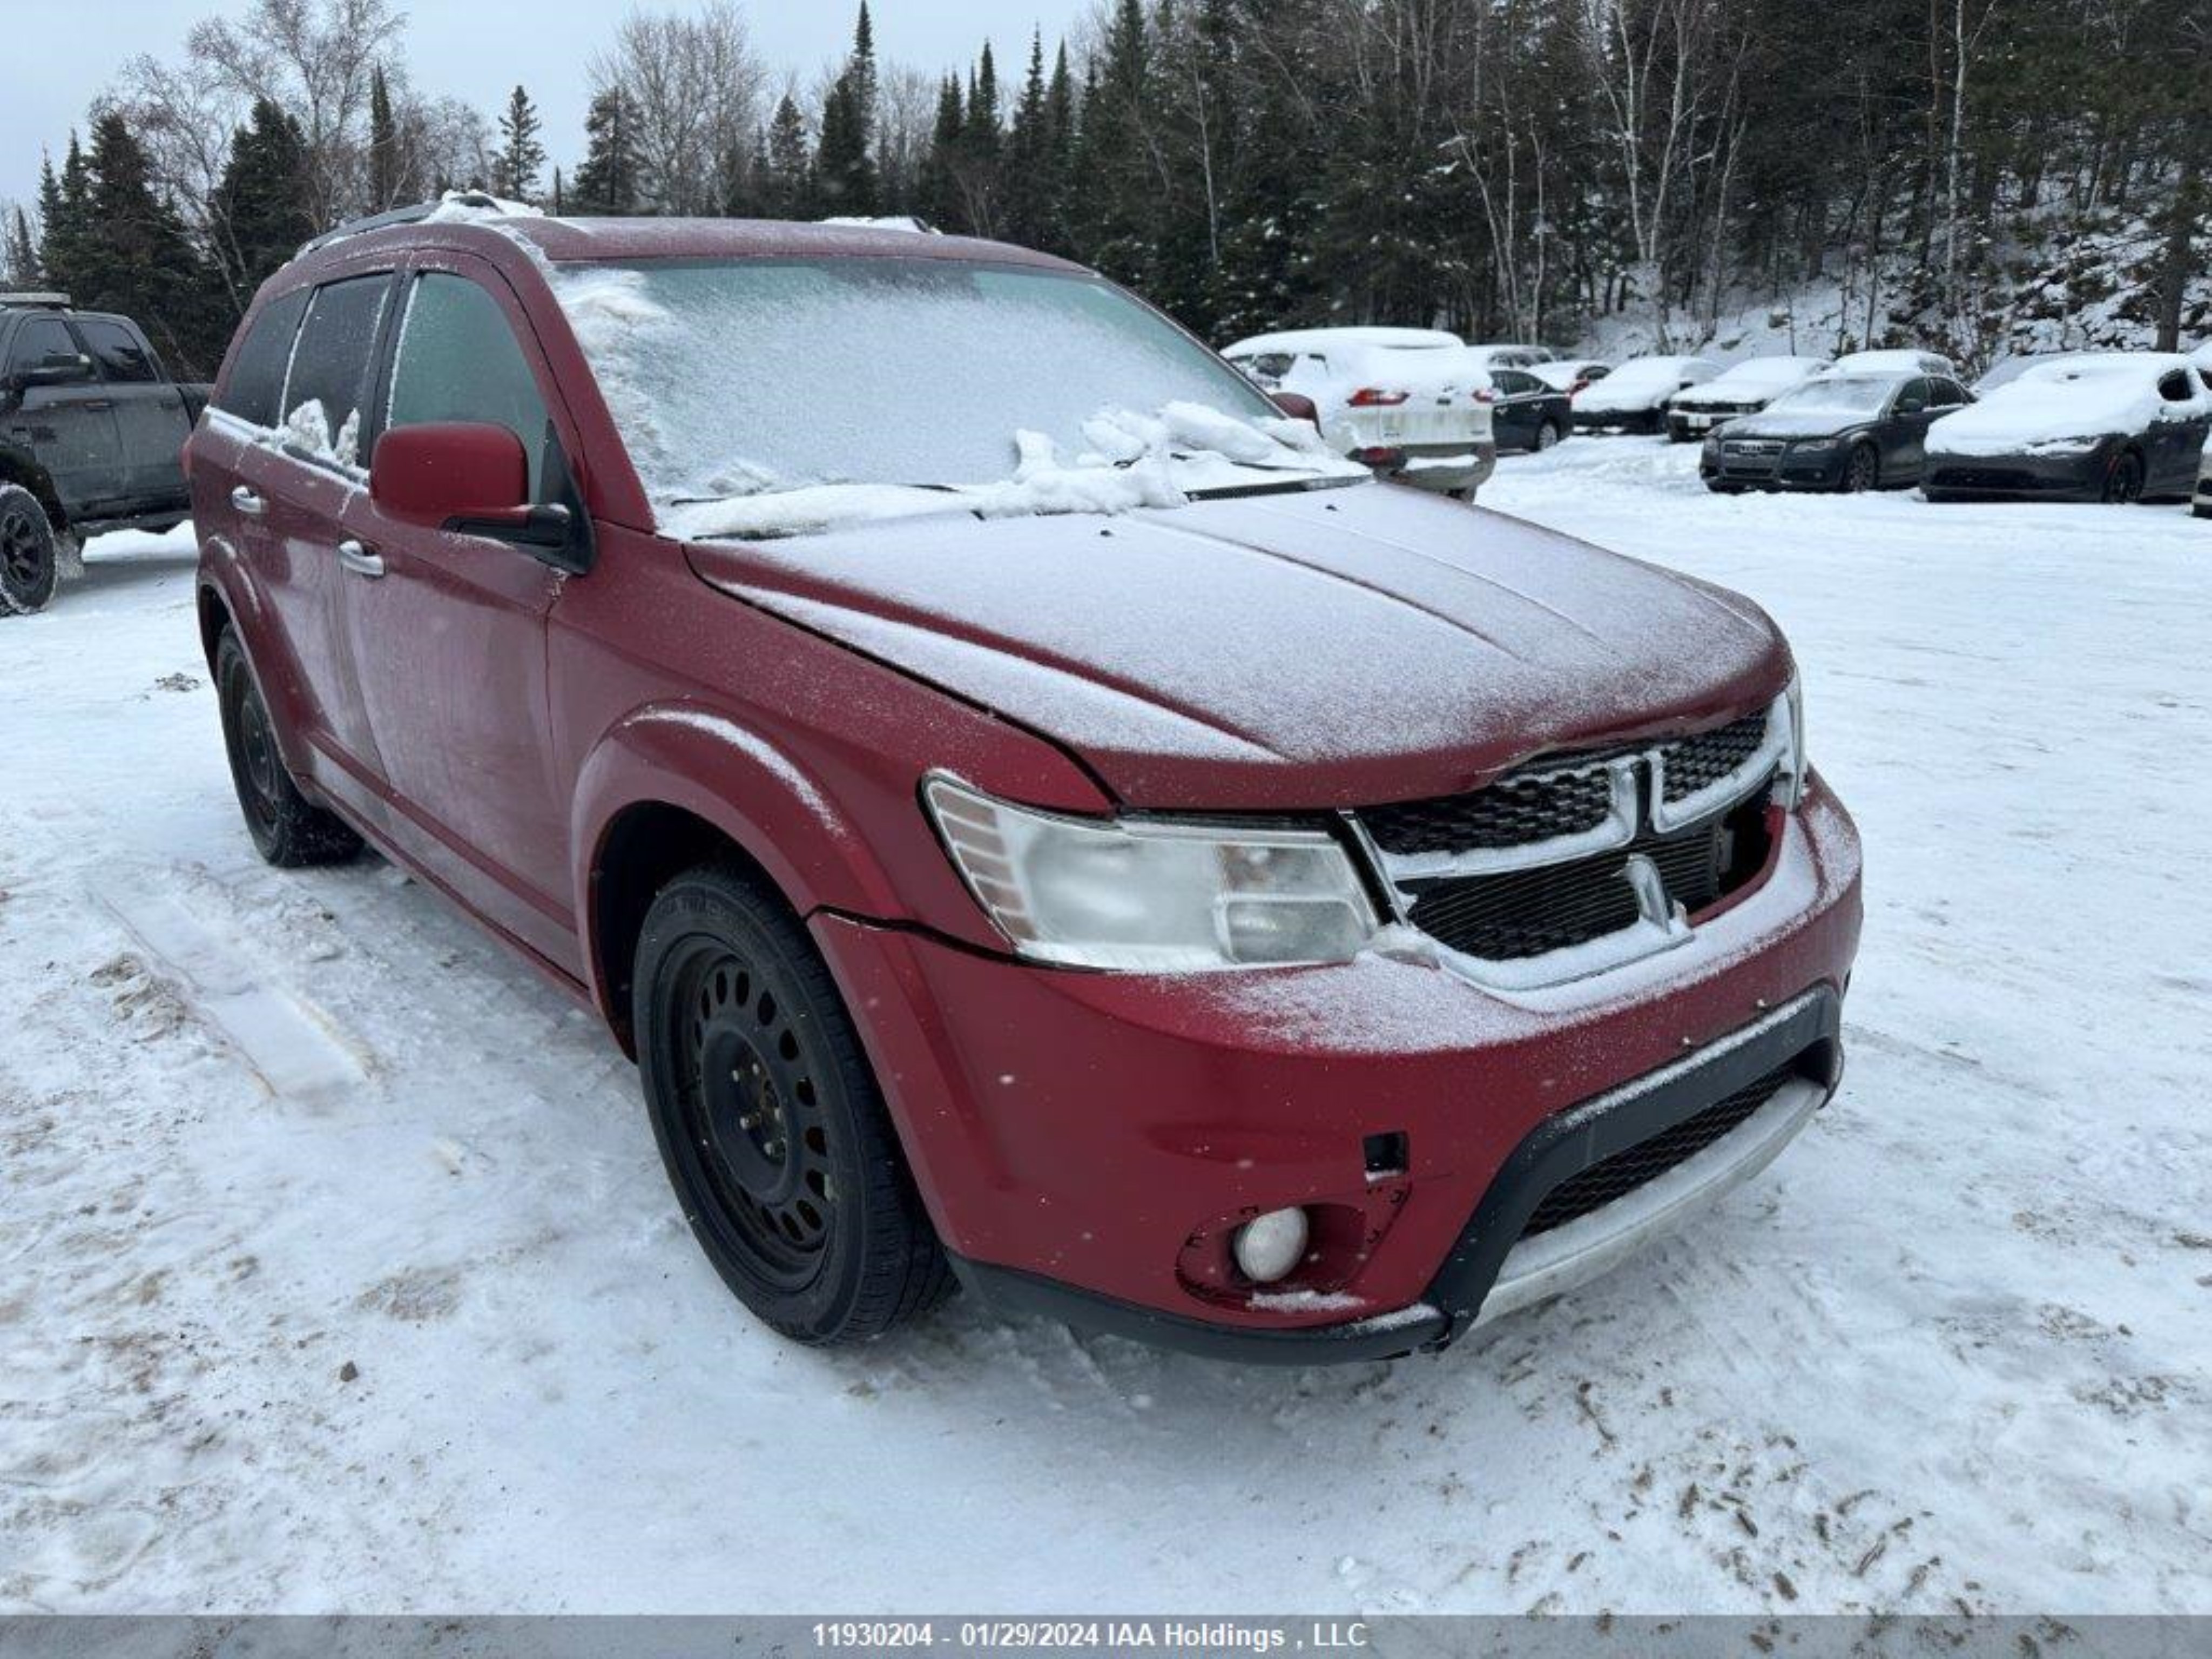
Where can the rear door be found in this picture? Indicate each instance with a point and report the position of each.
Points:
(67, 422)
(304, 480)
(149, 413)
(448, 631)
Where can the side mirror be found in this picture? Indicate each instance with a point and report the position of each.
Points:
(1297, 406)
(473, 479)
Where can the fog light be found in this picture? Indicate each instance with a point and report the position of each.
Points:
(1270, 1245)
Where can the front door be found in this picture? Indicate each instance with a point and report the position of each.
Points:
(149, 415)
(1905, 449)
(2177, 434)
(67, 420)
(448, 631)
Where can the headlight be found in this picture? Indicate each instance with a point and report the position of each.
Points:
(1813, 446)
(1790, 775)
(2066, 445)
(1152, 896)
(1712, 447)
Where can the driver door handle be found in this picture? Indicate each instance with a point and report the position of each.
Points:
(360, 560)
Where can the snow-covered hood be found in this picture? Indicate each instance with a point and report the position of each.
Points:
(1327, 648)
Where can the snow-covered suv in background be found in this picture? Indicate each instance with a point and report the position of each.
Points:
(1413, 403)
(1041, 818)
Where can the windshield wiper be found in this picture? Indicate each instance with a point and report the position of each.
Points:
(1273, 486)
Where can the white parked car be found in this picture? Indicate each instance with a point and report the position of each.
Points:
(1633, 397)
(1571, 375)
(1510, 356)
(1743, 388)
(1404, 401)
(1895, 360)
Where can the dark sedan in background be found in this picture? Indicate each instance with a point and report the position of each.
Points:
(1526, 413)
(2108, 426)
(1847, 432)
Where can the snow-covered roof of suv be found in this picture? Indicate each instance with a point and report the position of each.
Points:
(1321, 339)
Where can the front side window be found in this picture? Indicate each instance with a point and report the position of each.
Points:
(326, 392)
(734, 380)
(45, 342)
(460, 361)
(120, 356)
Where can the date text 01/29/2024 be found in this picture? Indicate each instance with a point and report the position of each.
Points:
(1170, 1635)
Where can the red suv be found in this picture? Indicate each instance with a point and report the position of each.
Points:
(1181, 885)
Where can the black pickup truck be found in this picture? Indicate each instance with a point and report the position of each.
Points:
(91, 431)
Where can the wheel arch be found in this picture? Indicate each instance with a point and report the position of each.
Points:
(676, 785)
(19, 466)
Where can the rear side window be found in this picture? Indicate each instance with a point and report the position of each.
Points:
(120, 356)
(1512, 382)
(2174, 387)
(327, 390)
(41, 343)
(255, 389)
(460, 361)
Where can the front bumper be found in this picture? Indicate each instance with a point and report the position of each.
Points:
(1781, 469)
(1684, 425)
(1083, 1140)
(2079, 476)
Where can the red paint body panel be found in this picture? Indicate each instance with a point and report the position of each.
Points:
(488, 721)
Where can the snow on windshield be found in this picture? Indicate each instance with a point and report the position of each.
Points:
(771, 396)
(1851, 394)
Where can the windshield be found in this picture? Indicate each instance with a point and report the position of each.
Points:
(739, 379)
(1849, 394)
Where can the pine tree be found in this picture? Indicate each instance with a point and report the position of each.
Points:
(606, 186)
(1059, 118)
(257, 214)
(21, 262)
(844, 166)
(1025, 185)
(135, 255)
(940, 185)
(521, 156)
(787, 184)
(1110, 162)
(383, 155)
(65, 219)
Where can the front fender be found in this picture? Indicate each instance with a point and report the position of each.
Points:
(687, 756)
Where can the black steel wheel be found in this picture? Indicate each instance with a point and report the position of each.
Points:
(769, 1118)
(2124, 484)
(287, 829)
(1862, 470)
(28, 553)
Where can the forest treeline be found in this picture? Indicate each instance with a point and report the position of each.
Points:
(1509, 168)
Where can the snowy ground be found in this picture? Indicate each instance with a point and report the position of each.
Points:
(1953, 1351)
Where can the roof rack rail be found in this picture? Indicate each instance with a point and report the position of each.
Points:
(36, 301)
(413, 214)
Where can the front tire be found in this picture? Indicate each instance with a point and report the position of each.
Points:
(29, 553)
(2124, 484)
(1862, 470)
(287, 829)
(769, 1120)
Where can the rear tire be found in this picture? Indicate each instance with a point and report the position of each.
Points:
(2124, 484)
(29, 553)
(769, 1120)
(287, 829)
(1547, 435)
(1862, 470)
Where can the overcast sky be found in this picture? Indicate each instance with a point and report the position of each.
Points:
(59, 57)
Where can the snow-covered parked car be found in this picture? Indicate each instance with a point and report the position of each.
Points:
(1633, 397)
(1743, 388)
(1406, 402)
(1895, 360)
(2119, 426)
(1848, 432)
(1571, 375)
